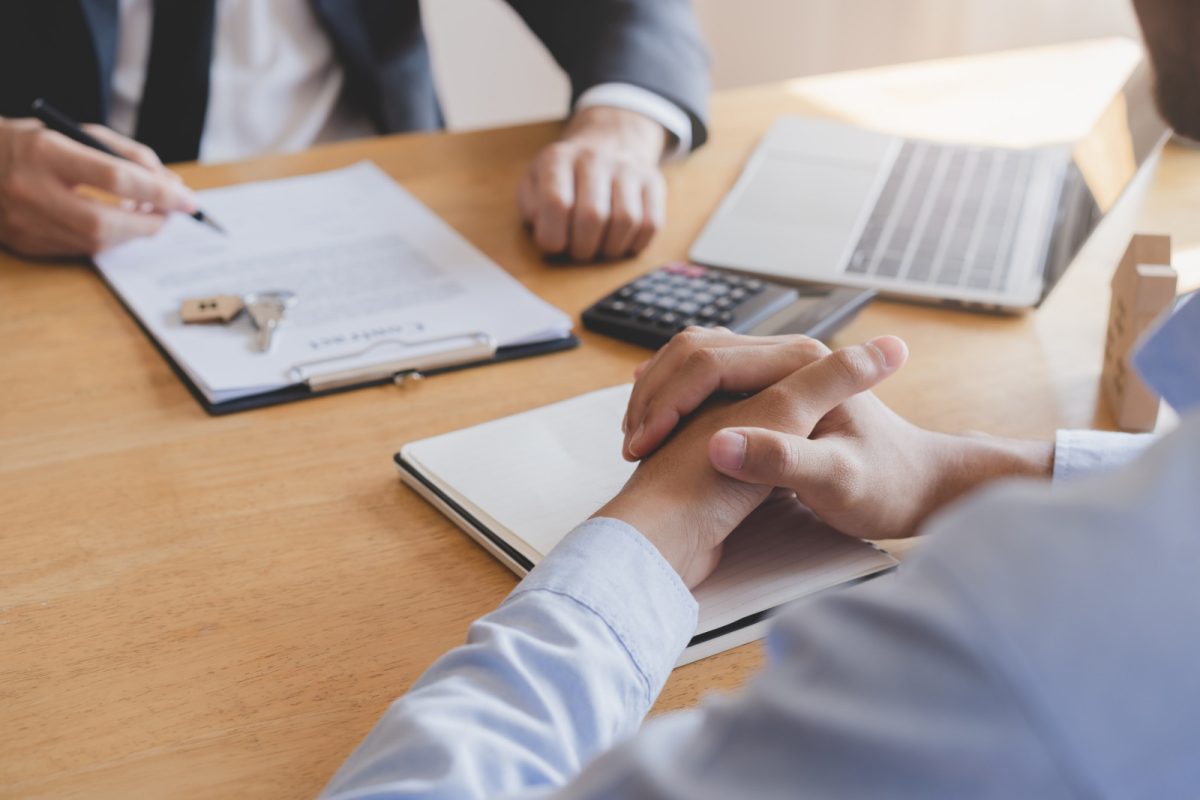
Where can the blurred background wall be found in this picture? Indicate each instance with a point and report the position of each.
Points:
(491, 71)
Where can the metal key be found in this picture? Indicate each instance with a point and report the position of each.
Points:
(266, 310)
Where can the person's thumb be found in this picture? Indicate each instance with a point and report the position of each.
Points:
(770, 458)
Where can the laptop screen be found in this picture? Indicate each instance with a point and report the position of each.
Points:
(1103, 164)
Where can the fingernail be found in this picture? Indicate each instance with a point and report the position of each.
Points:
(888, 349)
(636, 439)
(729, 450)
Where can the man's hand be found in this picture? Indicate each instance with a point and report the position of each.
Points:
(862, 468)
(42, 214)
(685, 507)
(598, 192)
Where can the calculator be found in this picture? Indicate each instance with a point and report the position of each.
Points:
(656, 306)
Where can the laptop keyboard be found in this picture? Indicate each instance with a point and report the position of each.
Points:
(947, 216)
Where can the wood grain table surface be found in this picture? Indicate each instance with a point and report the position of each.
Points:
(195, 607)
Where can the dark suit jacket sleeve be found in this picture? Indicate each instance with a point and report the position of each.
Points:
(654, 44)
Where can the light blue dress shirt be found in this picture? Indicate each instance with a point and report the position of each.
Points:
(1042, 643)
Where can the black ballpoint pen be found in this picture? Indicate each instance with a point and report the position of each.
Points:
(56, 120)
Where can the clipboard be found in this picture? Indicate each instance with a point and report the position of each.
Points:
(303, 391)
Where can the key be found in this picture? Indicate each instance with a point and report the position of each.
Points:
(266, 310)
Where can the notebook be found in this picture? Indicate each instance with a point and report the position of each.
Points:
(518, 485)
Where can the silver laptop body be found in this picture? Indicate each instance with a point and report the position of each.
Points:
(985, 227)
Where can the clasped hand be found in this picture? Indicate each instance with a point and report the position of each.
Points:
(809, 425)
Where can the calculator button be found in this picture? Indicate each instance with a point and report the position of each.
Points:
(669, 319)
(718, 288)
(645, 297)
(688, 307)
(722, 302)
(667, 302)
(648, 314)
(725, 318)
(626, 292)
(616, 308)
(738, 294)
(703, 298)
(709, 312)
(755, 286)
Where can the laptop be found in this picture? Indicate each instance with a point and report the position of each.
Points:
(983, 227)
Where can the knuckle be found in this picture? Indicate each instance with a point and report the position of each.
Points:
(589, 158)
(811, 348)
(556, 202)
(689, 339)
(850, 365)
(93, 231)
(780, 456)
(110, 176)
(703, 361)
(588, 216)
(623, 219)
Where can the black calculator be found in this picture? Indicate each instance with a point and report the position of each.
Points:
(656, 306)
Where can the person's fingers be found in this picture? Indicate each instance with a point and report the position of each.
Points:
(654, 212)
(96, 225)
(739, 368)
(666, 360)
(31, 233)
(770, 458)
(672, 357)
(527, 197)
(75, 164)
(593, 206)
(554, 196)
(627, 214)
(133, 150)
(814, 391)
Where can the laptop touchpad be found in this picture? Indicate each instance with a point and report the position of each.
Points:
(803, 210)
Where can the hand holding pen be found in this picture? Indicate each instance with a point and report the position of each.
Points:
(43, 214)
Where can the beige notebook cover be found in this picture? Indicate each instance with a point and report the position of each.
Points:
(517, 485)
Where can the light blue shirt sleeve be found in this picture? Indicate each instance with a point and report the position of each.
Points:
(1036, 646)
(1081, 452)
(568, 665)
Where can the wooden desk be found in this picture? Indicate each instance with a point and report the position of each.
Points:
(198, 607)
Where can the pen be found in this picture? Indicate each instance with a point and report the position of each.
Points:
(56, 120)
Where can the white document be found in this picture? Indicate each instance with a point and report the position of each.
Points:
(532, 477)
(377, 277)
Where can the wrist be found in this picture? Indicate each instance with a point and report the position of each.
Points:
(627, 131)
(659, 521)
(970, 460)
(687, 526)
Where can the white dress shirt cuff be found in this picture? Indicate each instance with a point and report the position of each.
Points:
(611, 569)
(1083, 452)
(645, 102)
